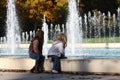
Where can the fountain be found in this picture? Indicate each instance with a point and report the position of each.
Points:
(13, 31)
(74, 28)
(94, 28)
(45, 29)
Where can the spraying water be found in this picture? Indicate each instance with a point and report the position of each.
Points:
(13, 32)
(74, 30)
(45, 29)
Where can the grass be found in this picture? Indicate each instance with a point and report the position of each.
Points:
(102, 40)
(92, 40)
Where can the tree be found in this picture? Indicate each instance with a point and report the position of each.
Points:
(32, 11)
(101, 5)
(2, 17)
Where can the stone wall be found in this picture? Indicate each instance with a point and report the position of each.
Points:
(67, 65)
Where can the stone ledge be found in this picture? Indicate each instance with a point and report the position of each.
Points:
(67, 65)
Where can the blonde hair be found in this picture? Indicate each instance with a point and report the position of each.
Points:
(62, 37)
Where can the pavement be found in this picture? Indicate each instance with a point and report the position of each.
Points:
(50, 76)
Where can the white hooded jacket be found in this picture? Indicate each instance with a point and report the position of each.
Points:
(56, 49)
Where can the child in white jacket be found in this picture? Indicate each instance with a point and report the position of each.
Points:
(56, 52)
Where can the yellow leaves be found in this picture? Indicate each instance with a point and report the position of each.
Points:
(47, 13)
(49, 3)
(61, 2)
(34, 3)
(31, 3)
(37, 17)
(25, 5)
(50, 15)
(35, 9)
(32, 11)
(30, 16)
(28, 2)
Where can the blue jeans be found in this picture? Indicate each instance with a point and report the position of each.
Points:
(38, 57)
(56, 62)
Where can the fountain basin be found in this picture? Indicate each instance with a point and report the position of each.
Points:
(67, 65)
(103, 62)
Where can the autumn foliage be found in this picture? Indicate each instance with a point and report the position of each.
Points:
(32, 11)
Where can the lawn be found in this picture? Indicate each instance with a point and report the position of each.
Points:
(102, 40)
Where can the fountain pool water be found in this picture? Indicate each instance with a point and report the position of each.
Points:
(88, 54)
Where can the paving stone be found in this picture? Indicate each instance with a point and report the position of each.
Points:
(49, 76)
